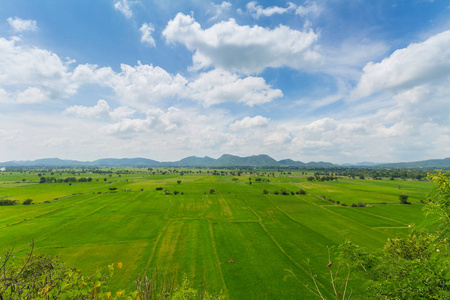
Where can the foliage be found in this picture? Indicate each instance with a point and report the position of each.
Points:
(403, 199)
(6, 202)
(338, 282)
(415, 267)
(43, 277)
(27, 202)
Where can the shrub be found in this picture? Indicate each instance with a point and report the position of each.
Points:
(212, 191)
(159, 188)
(265, 192)
(27, 202)
(7, 202)
(361, 204)
(403, 199)
(302, 192)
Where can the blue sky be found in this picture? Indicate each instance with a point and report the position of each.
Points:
(339, 81)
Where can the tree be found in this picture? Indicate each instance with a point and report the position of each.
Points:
(403, 199)
(414, 267)
(212, 191)
(27, 202)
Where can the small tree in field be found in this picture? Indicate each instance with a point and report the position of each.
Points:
(212, 191)
(403, 199)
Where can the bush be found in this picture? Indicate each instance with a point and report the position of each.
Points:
(302, 192)
(45, 277)
(27, 202)
(7, 202)
(159, 188)
(212, 191)
(403, 199)
(361, 204)
(265, 192)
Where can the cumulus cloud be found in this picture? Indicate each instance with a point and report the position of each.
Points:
(138, 85)
(33, 72)
(124, 7)
(27, 96)
(218, 86)
(99, 111)
(243, 49)
(155, 119)
(146, 34)
(20, 25)
(278, 138)
(257, 10)
(417, 64)
(220, 9)
(248, 122)
(142, 85)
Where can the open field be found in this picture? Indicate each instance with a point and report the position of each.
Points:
(195, 232)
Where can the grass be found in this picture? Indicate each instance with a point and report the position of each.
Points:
(197, 233)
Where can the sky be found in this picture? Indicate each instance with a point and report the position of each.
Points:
(316, 80)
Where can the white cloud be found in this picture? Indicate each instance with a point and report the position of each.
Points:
(243, 49)
(137, 86)
(417, 64)
(156, 119)
(33, 72)
(257, 10)
(220, 9)
(219, 86)
(28, 96)
(31, 95)
(99, 111)
(309, 9)
(146, 34)
(278, 138)
(124, 7)
(19, 25)
(248, 122)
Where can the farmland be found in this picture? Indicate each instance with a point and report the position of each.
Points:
(191, 222)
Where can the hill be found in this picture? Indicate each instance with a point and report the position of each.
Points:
(226, 160)
(425, 164)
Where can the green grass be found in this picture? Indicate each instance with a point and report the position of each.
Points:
(197, 233)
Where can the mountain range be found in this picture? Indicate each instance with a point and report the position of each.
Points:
(225, 160)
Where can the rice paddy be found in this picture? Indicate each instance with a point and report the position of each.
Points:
(235, 239)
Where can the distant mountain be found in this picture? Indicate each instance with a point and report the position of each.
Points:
(320, 164)
(425, 164)
(226, 160)
(45, 162)
(262, 160)
(125, 162)
(291, 163)
(191, 161)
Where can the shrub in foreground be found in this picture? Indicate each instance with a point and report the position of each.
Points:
(45, 277)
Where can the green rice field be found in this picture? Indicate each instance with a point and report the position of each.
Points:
(123, 218)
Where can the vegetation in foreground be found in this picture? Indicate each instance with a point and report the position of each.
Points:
(412, 267)
(194, 222)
